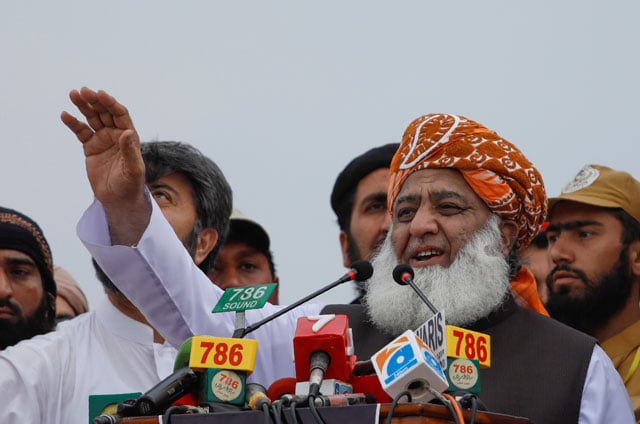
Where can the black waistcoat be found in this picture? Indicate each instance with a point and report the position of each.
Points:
(538, 365)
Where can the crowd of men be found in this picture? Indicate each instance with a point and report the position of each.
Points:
(454, 200)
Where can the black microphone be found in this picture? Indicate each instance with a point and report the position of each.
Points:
(163, 394)
(360, 271)
(107, 419)
(403, 275)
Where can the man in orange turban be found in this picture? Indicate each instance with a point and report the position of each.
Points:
(463, 200)
(499, 174)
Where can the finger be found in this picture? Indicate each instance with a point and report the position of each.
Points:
(130, 148)
(106, 118)
(82, 100)
(80, 129)
(121, 117)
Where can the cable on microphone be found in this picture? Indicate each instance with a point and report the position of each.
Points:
(403, 275)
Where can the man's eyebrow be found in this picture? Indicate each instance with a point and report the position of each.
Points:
(433, 196)
(157, 185)
(447, 194)
(409, 198)
(570, 225)
(15, 260)
(375, 197)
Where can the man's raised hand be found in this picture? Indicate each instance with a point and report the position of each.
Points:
(114, 163)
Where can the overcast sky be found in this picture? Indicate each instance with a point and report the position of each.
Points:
(282, 94)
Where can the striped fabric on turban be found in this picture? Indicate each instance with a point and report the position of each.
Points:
(494, 168)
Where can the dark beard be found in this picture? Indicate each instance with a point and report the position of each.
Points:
(12, 331)
(599, 302)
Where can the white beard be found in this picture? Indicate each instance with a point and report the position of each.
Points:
(469, 289)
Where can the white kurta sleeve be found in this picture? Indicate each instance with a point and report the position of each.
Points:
(177, 298)
(604, 397)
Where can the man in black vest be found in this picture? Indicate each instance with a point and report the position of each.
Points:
(462, 201)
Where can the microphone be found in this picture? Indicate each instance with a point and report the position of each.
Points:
(256, 396)
(360, 271)
(403, 275)
(222, 366)
(408, 364)
(281, 387)
(459, 351)
(163, 394)
(433, 331)
(323, 349)
(346, 399)
(107, 419)
(318, 364)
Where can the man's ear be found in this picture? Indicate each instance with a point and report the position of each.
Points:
(634, 258)
(509, 235)
(207, 240)
(344, 246)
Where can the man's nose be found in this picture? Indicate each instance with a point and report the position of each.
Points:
(228, 279)
(424, 222)
(6, 289)
(560, 250)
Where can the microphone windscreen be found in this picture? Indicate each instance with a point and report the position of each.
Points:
(363, 270)
(399, 271)
(183, 355)
(281, 387)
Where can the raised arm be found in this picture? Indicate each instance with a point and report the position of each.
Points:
(113, 160)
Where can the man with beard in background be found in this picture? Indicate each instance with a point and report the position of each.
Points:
(27, 287)
(359, 200)
(448, 180)
(594, 242)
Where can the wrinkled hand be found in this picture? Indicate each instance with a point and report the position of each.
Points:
(114, 163)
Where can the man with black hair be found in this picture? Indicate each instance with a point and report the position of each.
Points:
(594, 286)
(112, 349)
(27, 287)
(359, 200)
(245, 258)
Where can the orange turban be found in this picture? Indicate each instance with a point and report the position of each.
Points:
(494, 168)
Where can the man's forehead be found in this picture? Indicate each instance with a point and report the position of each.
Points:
(571, 210)
(437, 183)
(374, 181)
(12, 254)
